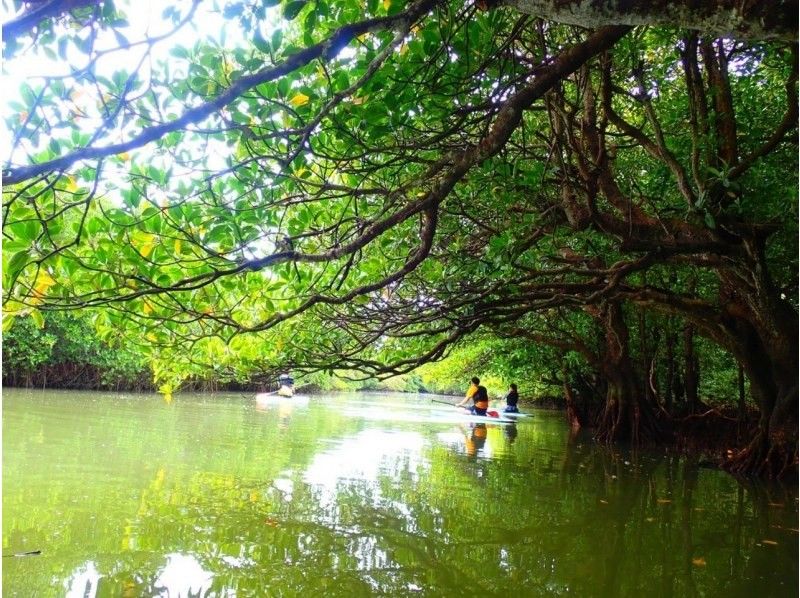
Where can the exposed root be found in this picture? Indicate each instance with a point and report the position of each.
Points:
(710, 412)
(762, 458)
(632, 424)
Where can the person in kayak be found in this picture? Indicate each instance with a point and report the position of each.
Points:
(511, 400)
(479, 396)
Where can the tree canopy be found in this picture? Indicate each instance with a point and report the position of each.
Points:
(328, 184)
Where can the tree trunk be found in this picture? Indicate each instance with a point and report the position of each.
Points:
(627, 416)
(758, 20)
(573, 416)
(670, 357)
(763, 327)
(740, 384)
(690, 369)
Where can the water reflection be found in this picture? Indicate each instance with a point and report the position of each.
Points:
(510, 432)
(476, 439)
(214, 498)
(84, 582)
(182, 575)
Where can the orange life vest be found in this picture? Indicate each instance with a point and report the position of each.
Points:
(479, 396)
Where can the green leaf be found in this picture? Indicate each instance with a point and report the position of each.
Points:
(292, 9)
(260, 42)
(8, 321)
(121, 39)
(179, 52)
(277, 38)
(17, 262)
(37, 318)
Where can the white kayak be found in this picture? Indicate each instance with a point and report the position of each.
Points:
(271, 398)
(449, 416)
(492, 416)
(502, 413)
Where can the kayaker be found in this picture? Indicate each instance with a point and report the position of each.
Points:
(285, 385)
(479, 396)
(511, 400)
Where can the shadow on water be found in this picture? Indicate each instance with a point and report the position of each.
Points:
(672, 527)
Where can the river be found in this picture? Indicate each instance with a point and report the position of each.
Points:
(360, 495)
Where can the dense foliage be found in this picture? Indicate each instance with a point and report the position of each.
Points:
(331, 186)
(65, 352)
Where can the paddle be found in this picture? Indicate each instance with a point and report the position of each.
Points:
(491, 413)
(443, 402)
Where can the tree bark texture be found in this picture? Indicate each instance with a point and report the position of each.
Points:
(755, 20)
(627, 416)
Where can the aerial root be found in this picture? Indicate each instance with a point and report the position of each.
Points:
(761, 458)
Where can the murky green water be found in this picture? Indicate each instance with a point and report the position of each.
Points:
(364, 495)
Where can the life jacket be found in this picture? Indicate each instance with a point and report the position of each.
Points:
(481, 398)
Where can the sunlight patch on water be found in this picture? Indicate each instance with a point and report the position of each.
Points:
(365, 457)
(83, 583)
(184, 576)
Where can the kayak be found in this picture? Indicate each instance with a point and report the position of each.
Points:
(270, 398)
(510, 414)
(492, 417)
(493, 413)
(450, 416)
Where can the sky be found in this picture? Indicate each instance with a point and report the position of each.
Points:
(145, 19)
